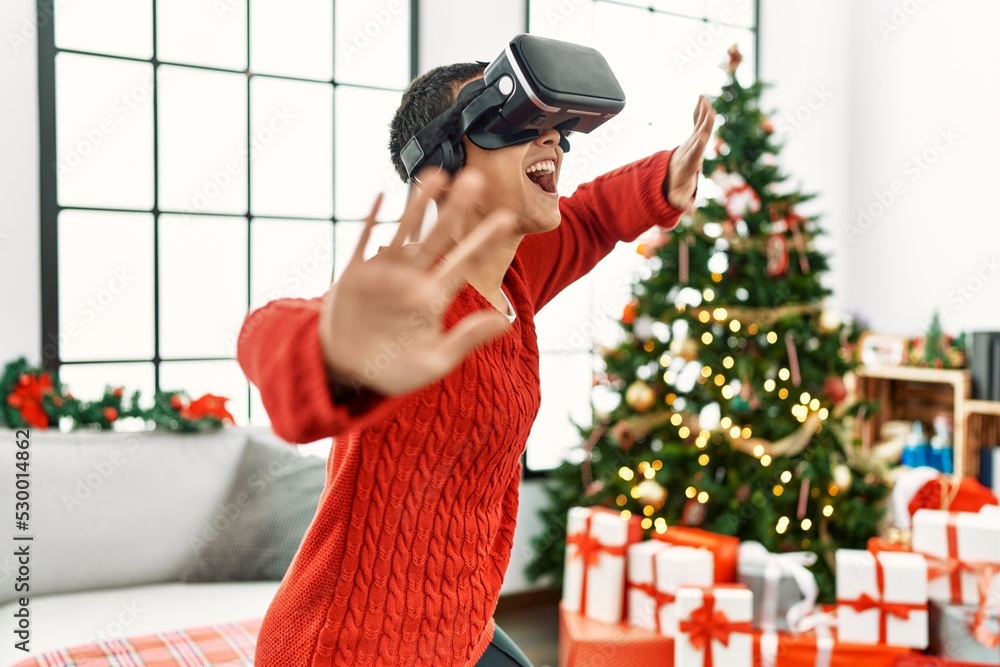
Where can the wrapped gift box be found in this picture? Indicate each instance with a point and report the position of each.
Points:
(725, 548)
(882, 598)
(779, 582)
(823, 649)
(918, 660)
(584, 642)
(952, 628)
(655, 571)
(714, 627)
(594, 577)
(960, 546)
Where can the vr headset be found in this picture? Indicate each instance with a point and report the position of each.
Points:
(535, 85)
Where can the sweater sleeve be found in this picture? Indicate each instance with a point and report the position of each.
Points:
(617, 206)
(280, 353)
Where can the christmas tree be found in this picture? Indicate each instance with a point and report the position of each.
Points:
(733, 414)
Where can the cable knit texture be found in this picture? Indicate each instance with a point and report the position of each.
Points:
(404, 559)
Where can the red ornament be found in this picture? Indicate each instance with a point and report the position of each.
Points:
(777, 255)
(767, 125)
(628, 315)
(208, 405)
(117, 391)
(835, 389)
(176, 402)
(27, 397)
(110, 414)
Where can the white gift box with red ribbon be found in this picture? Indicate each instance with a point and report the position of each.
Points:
(655, 571)
(882, 599)
(714, 628)
(594, 577)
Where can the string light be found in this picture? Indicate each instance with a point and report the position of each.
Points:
(704, 317)
(765, 460)
(635, 493)
(703, 497)
(676, 419)
(649, 473)
(720, 314)
(833, 490)
(719, 380)
(725, 422)
(717, 277)
(778, 489)
(814, 404)
(622, 500)
(786, 476)
(783, 393)
(648, 511)
(752, 329)
(669, 377)
(666, 360)
(828, 510)
(701, 442)
(626, 474)
(683, 432)
(706, 371)
(670, 398)
(649, 346)
(727, 392)
(647, 523)
(642, 466)
(734, 326)
(806, 524)
(804, 398)
(709, 294)
(661, 525)
(782, 525)
(769, 385)
(758, 451)
(746, 432)
(734, 432)
(626, 515)
(707, 338)
(657, 464)
(824, 413)
(703, 460)
(772, 337)
(728, 362)
(784, 374)
(690, 492)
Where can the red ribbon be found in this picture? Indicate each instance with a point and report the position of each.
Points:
(886, 609)
(659, 597)
(707, 625)
(589, 550)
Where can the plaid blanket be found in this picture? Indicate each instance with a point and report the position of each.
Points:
(229, 644)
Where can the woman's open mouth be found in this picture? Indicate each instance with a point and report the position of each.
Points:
(543, 175)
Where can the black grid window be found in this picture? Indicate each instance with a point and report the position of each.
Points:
(665, 53)
(199, 159)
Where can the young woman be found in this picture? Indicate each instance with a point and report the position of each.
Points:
(422, 362)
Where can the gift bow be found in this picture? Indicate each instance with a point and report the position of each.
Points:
(774, 565)
(886, 609)
(589, 550)
(821, 623)
(706, 625)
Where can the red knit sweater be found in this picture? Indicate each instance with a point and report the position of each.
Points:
(405, 557)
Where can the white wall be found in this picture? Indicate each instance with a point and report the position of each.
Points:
(20, 279)
(903, 75)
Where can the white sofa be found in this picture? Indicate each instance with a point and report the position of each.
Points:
(115, 518)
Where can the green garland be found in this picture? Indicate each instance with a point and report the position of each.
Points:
(31, 396)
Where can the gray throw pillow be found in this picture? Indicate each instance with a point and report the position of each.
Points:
(258, 528)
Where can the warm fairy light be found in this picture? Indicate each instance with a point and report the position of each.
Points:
(622, 500)
(661, 525)
(626, 515)
(765, 460)
(782, 525)
(805, 398)
(725, 422)
(772, 337)
(734, 326)
(717, 277)
(752, 329)
(647, 523)
(728, 362)
(707, 337)
(786, 476)
(626, 474)
(719, 380)
(649, 346)
(666, 360)
(824, 413)
(806, 524)
(669, 377)
(727, 392)
(635, 492)
(703, 460)
(814, 404)
(778, 489)
(649, 473)
(784, 374)
(648, 511)
(720, 314)
(642, 466)
(709, 294)
(769, 385)
(704, 317)
(758, 451)
(690, 492)
(683, 432)
(703, 497)
(706, 371)
(783, 393)
(705, 433)
(746, 433)
(806, 543)
(799, 410)
(657, 464)
(701, 442)
(676, 419)
(833, 490)
(734, 432)
(670, 398)
(828, 510)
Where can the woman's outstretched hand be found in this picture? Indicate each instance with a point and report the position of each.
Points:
(685, 163)
(381, 324)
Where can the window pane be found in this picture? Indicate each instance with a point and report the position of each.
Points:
(291, 148)
(104, 130)
(202, 33)
(612, 280)
(87, 381)
(566, 384)
(222, 378)
(290, 258)
(566, 322)
(349, 233)
(695, 8)
(373, 42)
(735, 12)
(558, 19)
(203, 285)
(292, 37)
(202, 139)
(363, 165)
(116, 27)
(105, 285)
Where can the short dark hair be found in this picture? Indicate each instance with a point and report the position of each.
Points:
(428, 96)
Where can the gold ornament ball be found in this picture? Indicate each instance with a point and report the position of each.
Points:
(651, 493)
(640, 396)
(685, 348)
